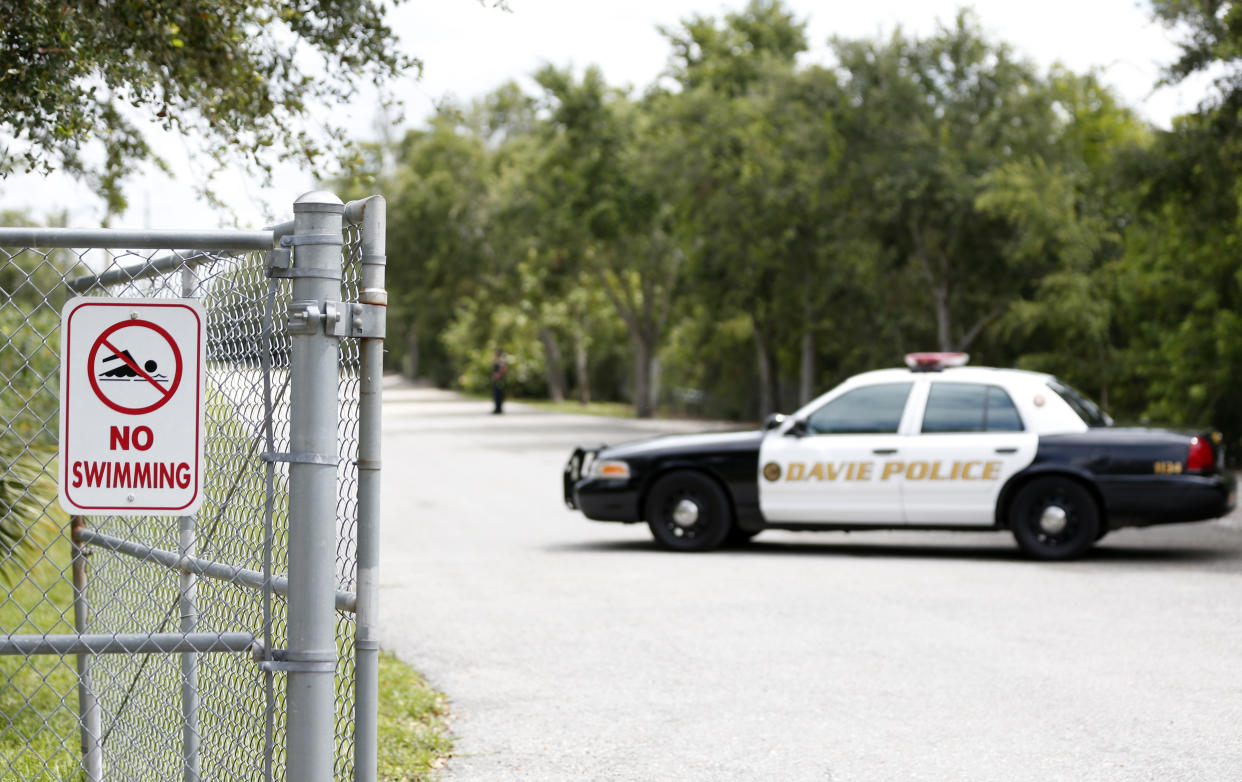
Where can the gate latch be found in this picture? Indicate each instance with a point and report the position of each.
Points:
(338, 319)
(304, 317)
(346, 319)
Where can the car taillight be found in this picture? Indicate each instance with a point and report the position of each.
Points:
(1201, 457)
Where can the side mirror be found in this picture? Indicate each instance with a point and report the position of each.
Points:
(772, 421)
(798, 429)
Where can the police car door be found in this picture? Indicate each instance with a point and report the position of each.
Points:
(828, 466)
(970, 441)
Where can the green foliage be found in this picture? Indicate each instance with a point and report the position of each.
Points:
(437, 200)
(30, 517)
(1212, 37)
(233, 73)
(750, 230)
(473, 338)
(38, 696)
(413, 735)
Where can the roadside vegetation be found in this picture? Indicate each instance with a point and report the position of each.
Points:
(752, 228)
(38, 695)
(414, 741)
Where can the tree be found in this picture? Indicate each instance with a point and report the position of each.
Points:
(1067, 216)
(1178, 291)
(237, 74)
(1213, 39)
(597, 167)
(934, 118)
(438, 204)
(733, 187)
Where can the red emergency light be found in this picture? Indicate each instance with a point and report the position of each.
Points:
(934, 362)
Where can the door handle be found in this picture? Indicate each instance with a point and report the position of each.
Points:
(884, 451)
(1006, 450)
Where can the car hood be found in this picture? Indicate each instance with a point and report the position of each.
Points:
(673, 444)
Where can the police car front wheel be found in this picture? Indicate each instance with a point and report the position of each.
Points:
(1054, 518)
(688, 511)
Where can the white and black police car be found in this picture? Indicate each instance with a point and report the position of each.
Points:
(936, 446)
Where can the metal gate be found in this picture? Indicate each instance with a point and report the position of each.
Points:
(237, 643)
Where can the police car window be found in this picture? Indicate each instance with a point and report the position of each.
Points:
(869, 410)
(1002, 416)
(969, 407)
(1088, 411)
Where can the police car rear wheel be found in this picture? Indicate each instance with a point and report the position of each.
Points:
(687, 511)
(1054, 518)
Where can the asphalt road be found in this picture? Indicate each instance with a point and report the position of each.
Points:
(577, 650)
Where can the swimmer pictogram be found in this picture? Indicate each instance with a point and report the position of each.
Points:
(128, 369)
(126, 361)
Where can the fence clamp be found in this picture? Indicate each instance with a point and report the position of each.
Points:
(279, 262)
(284, 661)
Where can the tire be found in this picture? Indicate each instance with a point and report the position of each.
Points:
(740, 537)
(687, 511)
(1054, 519)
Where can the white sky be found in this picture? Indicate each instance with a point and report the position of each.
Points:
(469, 48)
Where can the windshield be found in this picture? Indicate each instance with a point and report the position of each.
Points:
(1088, 411)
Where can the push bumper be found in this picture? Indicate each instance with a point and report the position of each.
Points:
(600, 499)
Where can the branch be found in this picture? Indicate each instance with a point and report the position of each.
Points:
(981, 324)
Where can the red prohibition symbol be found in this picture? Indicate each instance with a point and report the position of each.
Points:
(139, 371)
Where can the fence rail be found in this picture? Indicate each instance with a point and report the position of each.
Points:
(237, 643)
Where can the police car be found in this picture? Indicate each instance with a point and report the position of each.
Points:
(935, 446)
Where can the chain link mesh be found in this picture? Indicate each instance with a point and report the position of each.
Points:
(141, 697)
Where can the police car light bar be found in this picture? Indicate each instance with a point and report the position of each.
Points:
(934, 362)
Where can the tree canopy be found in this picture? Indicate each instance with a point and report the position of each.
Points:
(751, 228)
(243, 77)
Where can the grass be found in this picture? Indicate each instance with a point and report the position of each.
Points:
(38, 695)
(608, 409)
(413, 737)
(605, 409)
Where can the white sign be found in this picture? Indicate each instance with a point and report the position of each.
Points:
(131, 406)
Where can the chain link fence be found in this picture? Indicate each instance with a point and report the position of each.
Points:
(159, 647)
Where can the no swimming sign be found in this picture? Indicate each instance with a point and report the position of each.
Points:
(131, 406)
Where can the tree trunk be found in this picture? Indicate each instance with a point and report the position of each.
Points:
(764, 365)
(554, 364)
(806, 378)
(580, 365)
(806, 374)
(944, 325)
(411, 348)
(643, 355)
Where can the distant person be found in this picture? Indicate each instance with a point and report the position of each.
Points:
(499, 370)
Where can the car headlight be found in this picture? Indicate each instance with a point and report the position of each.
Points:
(607, 468)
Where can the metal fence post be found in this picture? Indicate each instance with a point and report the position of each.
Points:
(312, 653)
(186, 547)
(88, 706)
(366, 639)
(189, 660)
